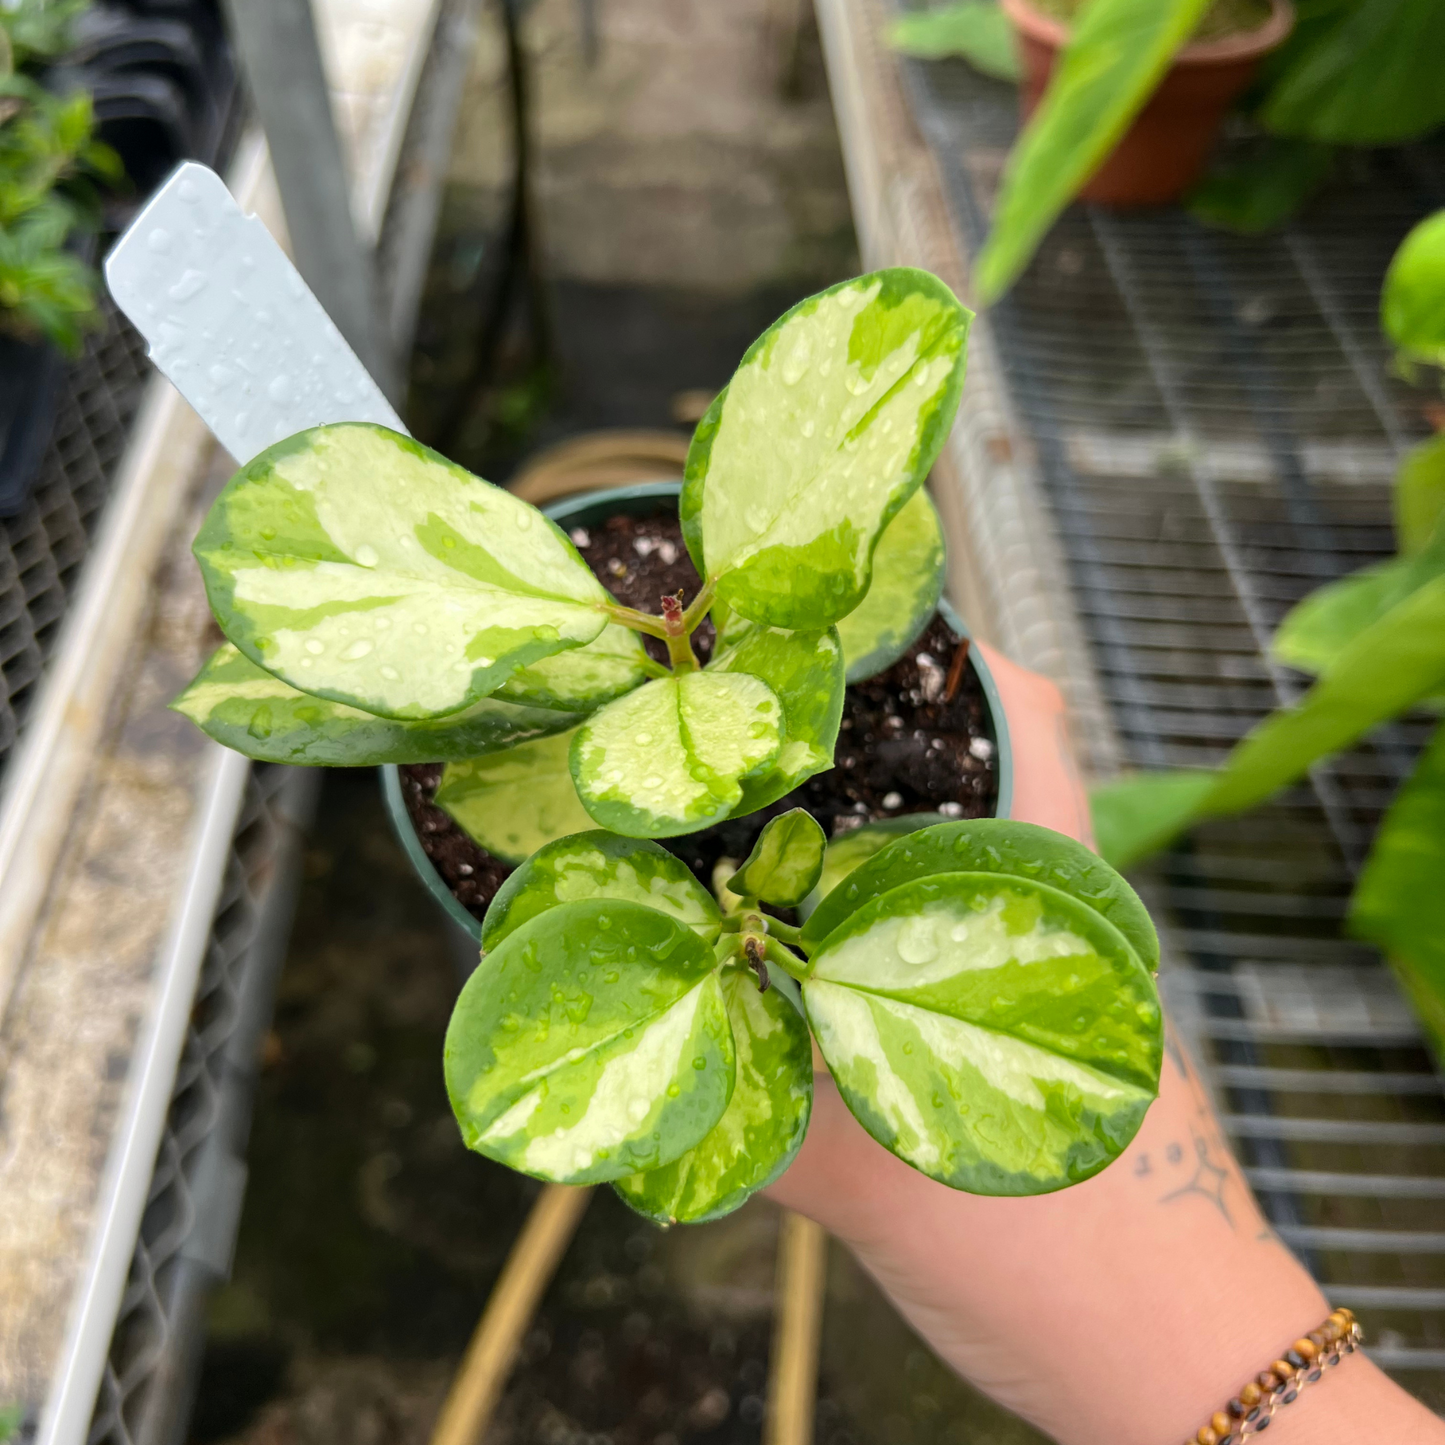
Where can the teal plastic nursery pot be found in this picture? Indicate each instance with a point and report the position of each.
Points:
(589, 509)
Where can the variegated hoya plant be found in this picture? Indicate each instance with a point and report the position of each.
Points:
(982, 991)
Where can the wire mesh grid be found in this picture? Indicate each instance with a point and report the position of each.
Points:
(43, 547)
(147, 1388)
(128, 1410)
(1215, 426)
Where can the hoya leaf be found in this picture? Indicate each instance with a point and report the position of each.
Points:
(1371, 78)
(590, 1044)
(907, 583)
(858, 845)
(826, 429)
(596, 864)
(762, 1128)
(1115, 56)
(997, 846)
(357, 565)
(805, 670)
(786, 861)
(1399, 903)
(515, 802)
(995, 1033)
(583, 678)
(244, 707)
(670, 758)
(1136, 814)
(1420, 495)
(976, 30)
(1316, 632)
(1412, 303)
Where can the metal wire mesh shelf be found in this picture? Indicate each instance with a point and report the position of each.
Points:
(43, 547)
(195, 1195)
(1215, 425)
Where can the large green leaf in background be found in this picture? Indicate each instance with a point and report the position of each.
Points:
(590, 1044)
(1393, 664)
(597, 864)
(762, 1128)
(357, 565)
(670, 758)
(994, 1032)
(827, 427)
(786, 861)
(975, 30)
(908, 569)
(1399, 901)
(1116, 54)
(1368, 75)
(514, 802)
(999, 846)
(1316, 632)
(243, 707)
(1137, 814)
(1412, 303)
(805, 670)
(1420, 496)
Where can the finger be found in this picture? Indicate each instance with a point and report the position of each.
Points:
(1047, 787)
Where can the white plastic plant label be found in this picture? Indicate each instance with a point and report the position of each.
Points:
(230, 322)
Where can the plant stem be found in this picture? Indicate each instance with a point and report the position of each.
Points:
(637, 621)
(785, 932)
(697, 608)
(679, 649)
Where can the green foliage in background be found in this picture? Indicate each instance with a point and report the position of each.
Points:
(1375, 643)
(49, 162)
(1361, 72)
(974, 30)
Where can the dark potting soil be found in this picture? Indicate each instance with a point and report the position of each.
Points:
(912, 740)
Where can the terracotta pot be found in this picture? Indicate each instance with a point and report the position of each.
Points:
(1164, 152)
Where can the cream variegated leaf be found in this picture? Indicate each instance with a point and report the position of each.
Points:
(826, 429)
(590, 1044)
(984, 845)
(994, 1032)
(355, 564)
(514, 802)
(597, 864)
(786, 861)
(671, 757)
(805, 670)
(246, 708)
(582, 678)
(908, 569)
(762, 1128)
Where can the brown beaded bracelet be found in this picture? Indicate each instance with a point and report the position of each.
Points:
(1302, 1364)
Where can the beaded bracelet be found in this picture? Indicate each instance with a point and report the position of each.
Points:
(1302, 1364)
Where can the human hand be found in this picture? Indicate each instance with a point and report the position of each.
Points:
(1127, 1308)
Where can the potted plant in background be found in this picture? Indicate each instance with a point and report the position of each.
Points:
(49, 161)
(982, 990)
(1123, 99)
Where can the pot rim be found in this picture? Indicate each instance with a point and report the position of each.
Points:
(638, 495)
(1227, 50)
